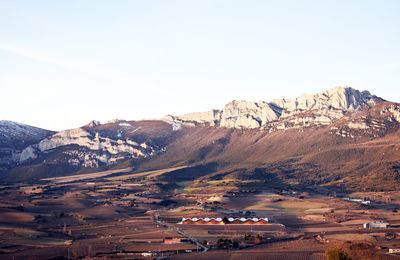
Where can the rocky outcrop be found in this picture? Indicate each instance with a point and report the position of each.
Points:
(86, 139)
(93, 123)
(236, 114)
(99, 149)
(245, 114)
(338, 98)
(394, 110)
(304, 111)
(27, 154)
(191, 119)
(375, 121)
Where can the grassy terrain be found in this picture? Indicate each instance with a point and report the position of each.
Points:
(147, 174)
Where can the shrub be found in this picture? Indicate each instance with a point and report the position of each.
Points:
(337, 254)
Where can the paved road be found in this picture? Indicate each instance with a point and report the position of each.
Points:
(182, 233)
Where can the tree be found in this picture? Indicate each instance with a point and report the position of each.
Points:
(258, 239)
(335, 253)
(224, 243)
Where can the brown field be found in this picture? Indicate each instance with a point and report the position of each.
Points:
(81, 177)
(118, 214)
(148, 174)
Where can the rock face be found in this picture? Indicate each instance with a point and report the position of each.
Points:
(86, 139)
(304, 111)
(99, 149)
(91, 145)
(245, 114)
(395, 112)
(338, 98)
(236, 114)
(373, 122)
(191, 119)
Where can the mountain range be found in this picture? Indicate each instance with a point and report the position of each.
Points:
(341, 139)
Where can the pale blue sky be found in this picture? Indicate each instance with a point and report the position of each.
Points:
(63, 63)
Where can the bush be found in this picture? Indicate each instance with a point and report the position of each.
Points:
(167, 202)
(224, 243)
(337, 254)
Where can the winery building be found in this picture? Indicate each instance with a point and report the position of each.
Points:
(224, 221)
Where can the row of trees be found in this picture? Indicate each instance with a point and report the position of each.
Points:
(227, 243)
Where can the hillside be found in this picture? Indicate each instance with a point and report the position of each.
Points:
(14, 138)
(342, 139)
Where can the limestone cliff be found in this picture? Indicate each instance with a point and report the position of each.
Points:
(306, 110)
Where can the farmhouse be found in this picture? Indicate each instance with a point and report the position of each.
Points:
(376, 224)
(224, 221)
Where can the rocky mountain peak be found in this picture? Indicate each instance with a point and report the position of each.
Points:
(247, 114)
(93, 123)
(340, 98)
(321, 108)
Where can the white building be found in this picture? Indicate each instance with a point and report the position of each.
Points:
(394, 250)
(364, 202)
(376, 224)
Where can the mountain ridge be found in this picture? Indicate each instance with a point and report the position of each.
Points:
(324, 107)
(330, 139)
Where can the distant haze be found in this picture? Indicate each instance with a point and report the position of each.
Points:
(64, 63)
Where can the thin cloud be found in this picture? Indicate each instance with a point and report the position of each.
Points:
(34, 55)
(61, 62)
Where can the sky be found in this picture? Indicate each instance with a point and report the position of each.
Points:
(64, 63)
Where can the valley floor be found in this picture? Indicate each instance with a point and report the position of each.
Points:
(126, 215)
